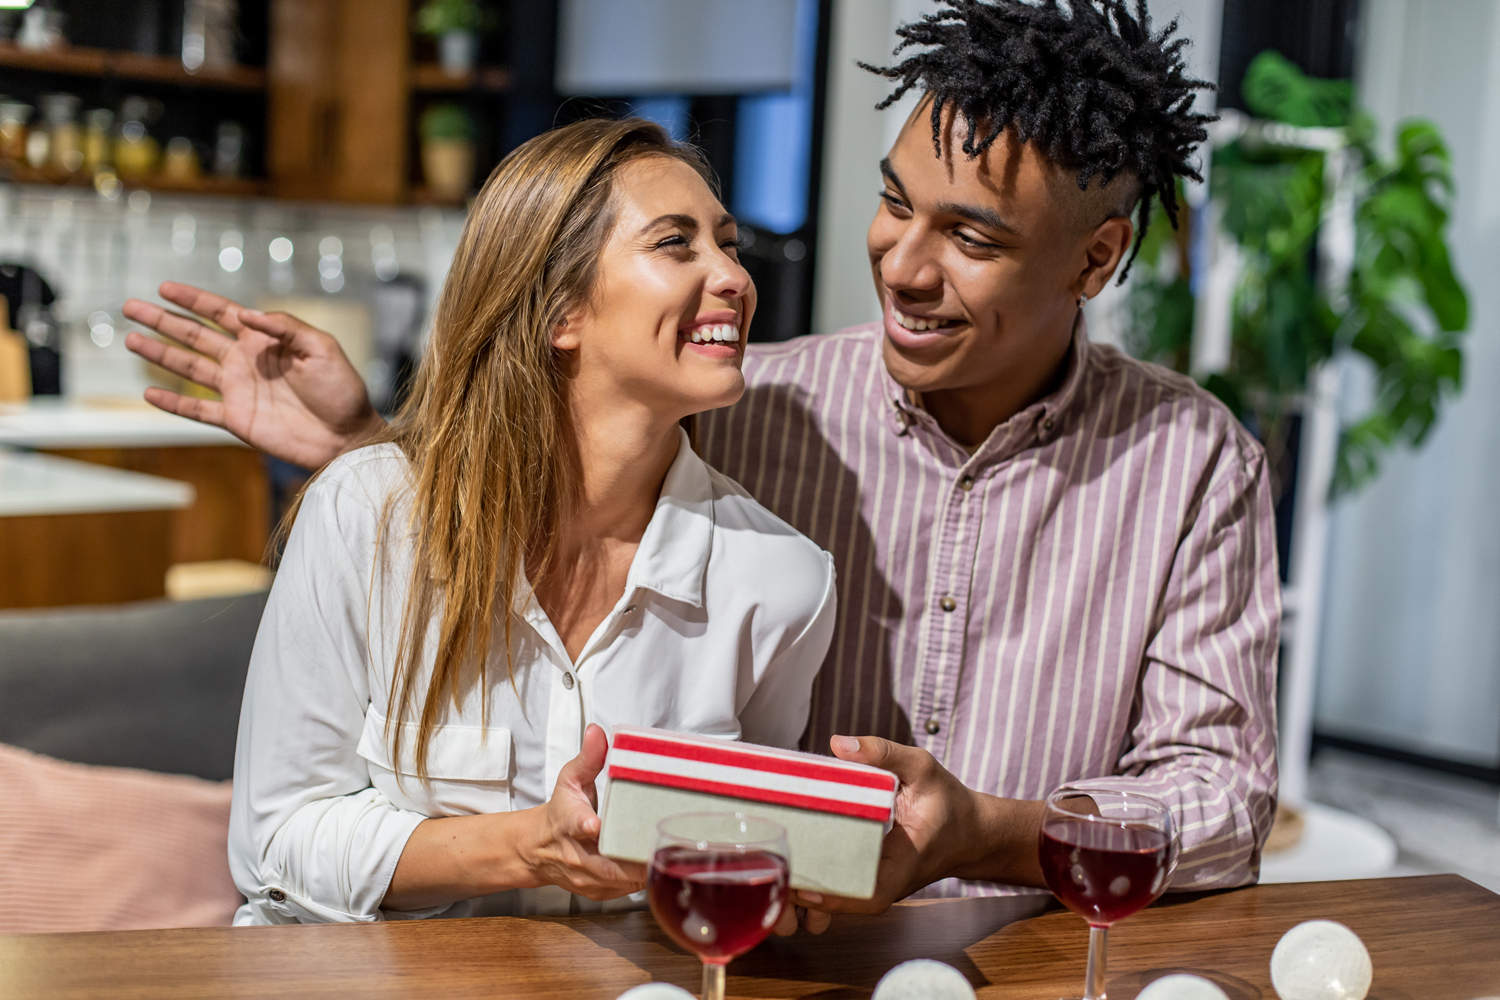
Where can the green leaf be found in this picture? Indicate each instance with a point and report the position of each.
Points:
(1275, 88)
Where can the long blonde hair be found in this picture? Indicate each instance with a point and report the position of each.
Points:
(493, 464)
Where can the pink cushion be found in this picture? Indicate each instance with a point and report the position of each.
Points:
(108, 848)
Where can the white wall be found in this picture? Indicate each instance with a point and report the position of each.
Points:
(1411, 650)
(854, 140)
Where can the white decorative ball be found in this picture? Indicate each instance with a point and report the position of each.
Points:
(656, 991)
(1321, 960)
(1182, 987)
(923, 979)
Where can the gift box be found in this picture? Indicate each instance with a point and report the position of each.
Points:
(835, 813)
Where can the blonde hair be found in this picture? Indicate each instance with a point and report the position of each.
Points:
(493, 466)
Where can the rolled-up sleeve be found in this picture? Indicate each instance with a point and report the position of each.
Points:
(310, 839)
(1204, 738)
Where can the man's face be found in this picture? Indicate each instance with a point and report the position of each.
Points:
(979, 263)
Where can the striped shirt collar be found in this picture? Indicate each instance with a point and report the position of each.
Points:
(1036, 424)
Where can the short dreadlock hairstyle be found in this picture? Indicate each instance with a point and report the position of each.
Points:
(1087, 81)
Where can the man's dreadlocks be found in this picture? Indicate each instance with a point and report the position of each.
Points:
(1088, 82)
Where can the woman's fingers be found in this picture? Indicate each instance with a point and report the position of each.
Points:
(222, 311)
(208, 411)
(183, 329)
(194, 367)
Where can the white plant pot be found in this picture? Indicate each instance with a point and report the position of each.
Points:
(458, 51)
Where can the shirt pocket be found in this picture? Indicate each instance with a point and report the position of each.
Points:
(468, 768)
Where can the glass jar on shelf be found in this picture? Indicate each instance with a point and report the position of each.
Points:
(64, 140)
(96, 152)
(136, 153)
(13, 118)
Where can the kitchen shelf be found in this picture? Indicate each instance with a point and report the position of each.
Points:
(77, 61)
(19, 173)
(432, 77)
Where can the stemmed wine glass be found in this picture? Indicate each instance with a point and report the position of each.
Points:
(1105, 855)
(718, 881)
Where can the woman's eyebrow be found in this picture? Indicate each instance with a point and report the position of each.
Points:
(673, 219)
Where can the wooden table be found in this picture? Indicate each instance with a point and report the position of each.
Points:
(1431, 938)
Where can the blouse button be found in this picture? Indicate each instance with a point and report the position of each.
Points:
(948, 604)
(568, 681)
(1049, 423)
(933, 727)
(277, 896)
(966, 483)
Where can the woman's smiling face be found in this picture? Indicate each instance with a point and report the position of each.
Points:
(666, 325)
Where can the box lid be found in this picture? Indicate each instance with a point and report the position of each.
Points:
(747, 771)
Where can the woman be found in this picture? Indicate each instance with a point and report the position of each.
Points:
(533, 551)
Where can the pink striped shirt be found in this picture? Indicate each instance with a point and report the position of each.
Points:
(1091, 594)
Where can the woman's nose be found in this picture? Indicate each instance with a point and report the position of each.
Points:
(729, 279)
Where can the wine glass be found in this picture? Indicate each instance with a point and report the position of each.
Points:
(1105, 855)
(717, 882)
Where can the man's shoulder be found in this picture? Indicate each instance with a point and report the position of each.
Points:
(810, 361)
(1170, 400)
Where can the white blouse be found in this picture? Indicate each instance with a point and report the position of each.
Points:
(725, 620)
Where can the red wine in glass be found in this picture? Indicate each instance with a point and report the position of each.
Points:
(718, 905)
(1104, 872)
(717, 882)
(1105, 854)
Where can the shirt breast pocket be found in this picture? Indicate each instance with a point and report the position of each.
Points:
(468, 768)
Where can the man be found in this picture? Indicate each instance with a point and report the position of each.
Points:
(1056, 563)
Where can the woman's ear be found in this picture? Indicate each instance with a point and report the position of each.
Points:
(565, 332)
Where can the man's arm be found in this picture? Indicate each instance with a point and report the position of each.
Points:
(1204, 735)
(285, 387)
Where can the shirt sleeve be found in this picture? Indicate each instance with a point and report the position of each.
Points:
(776, 712)
(1204, 736)
(310, 840)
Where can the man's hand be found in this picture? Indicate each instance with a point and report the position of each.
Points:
(287, 388)
(942, 830)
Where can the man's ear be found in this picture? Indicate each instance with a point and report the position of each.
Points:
(1103, 251)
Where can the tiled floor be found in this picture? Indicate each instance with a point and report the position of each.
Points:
(1441, 823)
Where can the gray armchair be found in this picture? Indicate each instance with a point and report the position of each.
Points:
(155, 685)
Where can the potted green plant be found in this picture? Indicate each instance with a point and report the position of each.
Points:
(447, 151)
(456, 25)
(1403, 309)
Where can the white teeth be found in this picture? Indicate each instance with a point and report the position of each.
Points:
(913, 323)
(716, 333)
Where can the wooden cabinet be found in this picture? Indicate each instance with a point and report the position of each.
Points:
(338, 80)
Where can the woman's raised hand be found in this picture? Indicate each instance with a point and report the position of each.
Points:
(286, 388)
(564, 849)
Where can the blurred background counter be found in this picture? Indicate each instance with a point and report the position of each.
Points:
(78, 533)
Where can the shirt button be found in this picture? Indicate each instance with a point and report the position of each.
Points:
(933, 727)
(948, 604)
(1049, 423)
(568, 681)
(277, 896)
(966, 483)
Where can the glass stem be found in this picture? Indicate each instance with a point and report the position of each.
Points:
(1098, 958)
(713, 981)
